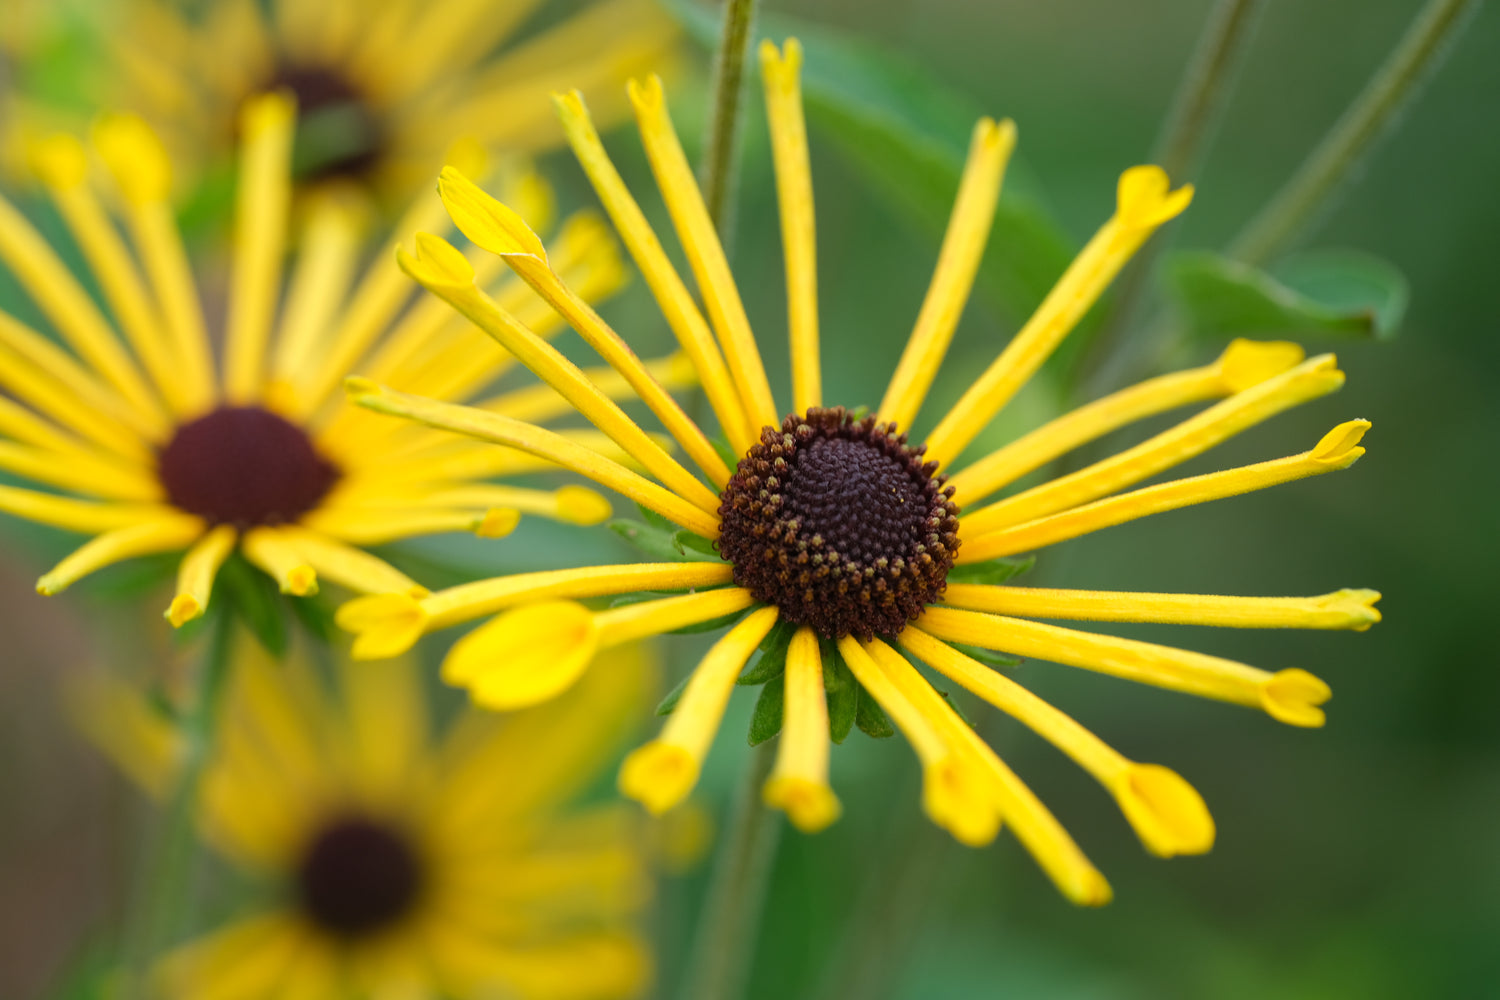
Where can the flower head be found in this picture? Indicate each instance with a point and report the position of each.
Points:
(384, 88)
(839, 548)
(447, 863)
(150, 449)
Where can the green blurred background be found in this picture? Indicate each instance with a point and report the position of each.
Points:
(1361, 860)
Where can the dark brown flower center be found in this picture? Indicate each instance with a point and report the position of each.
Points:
(839, 524)
(338, 132)
(358, 876)
(244, 466)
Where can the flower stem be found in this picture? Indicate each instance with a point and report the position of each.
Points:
(719, 169)
(166, 893)
(1180, 144)
(730, 922)
(1364, 121)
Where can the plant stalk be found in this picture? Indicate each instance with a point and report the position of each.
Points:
(719, 170)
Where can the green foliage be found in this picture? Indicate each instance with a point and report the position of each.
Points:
(659, 538)
(993, 571)
(668, 705)
(766, 720)
(870, 717)
(253, 597)
(772, 660)
(989, 657)
(1327, 292)
(842, 692)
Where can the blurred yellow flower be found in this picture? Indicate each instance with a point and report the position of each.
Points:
(383, 88)
(838, 533)
(399, 861)
(163, 454)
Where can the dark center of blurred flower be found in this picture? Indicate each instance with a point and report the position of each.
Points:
(358, 876)
(244, 466)
(839, 524)
(338, 132)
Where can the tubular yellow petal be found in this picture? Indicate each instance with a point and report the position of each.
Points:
(660, 774)
(1143, 203)
(445, 272)
(351, 567)
(59, 295)
(390, 624)
(781, 75)
(273, 550)
(81, 473)
(36, 371)
(328, 251)
(537, 404)
(139, 164)
(671, 294)
(63, 166)
(501, 231)
(161, 534)
(954, 795)
(573, 504)
(1190, 438)
(542, 443)
(525, 656)
(1243, 364)
(705, 254)
(498, 522)
(640, 621)
(798, 785)
(195, 575)
(77, 515)
(376, 526)
(1338, 450)
(1291, 695)
(1342, 609)
(262, 202)
(1158, 803)
(958, 261)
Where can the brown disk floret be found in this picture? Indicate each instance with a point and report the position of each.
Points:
(839, 524)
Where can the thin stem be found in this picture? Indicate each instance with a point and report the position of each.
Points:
(1364, 121)
(719, 169)
(730, 923)
(167, 892)
(1180, 144)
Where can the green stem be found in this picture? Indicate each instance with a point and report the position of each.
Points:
(730, 922)
(166, 895)
(1179, 147)
(1364, 121)
(718, 171)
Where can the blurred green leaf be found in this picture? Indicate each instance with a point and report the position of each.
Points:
(870, 717)
(992, 571)
(660, 543)
(772, 659)
(988, 657)
(1340, 292)
(766, 721)
(250, 595)
(907, 135)
(842, 692)
(668, 704)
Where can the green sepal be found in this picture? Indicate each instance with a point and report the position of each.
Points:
(251, 596)
(726, 450)
(654, 519)
(870, 717)
(766, 722)
(953, 704)
(668, 704)
(694, 546)
(989, 657)
(772, 660)
(842, 691)
(661, 542)
(1337, 292)
(992, 571)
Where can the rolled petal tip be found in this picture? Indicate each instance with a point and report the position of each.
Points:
(1340, 446)
(437, 264)
(60, 161)
(384, 625)
(485, 220)
(1293, 696)
(1167, 813)
(956, 798)
(1144, 199)
(658, 775)
(583, 506)
(810, 805)
(183, 609)
(1247, 363)
(525, 656)
(498, 522)
(135, 157)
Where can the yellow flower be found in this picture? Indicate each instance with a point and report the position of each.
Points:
(383, 87)
(163, 454)
(839, 532)
(400, 861)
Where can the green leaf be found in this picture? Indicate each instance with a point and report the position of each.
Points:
(907, 135)
(988, 657)
(1337, 292)
(657, 542)
(954, 705)
(726, 451)
(991, 572)
(766, 721)
(870, 717)
(693, 546)
(772, 661)
(654, 519)
(669, 703)
(843, 694)
(253, 597)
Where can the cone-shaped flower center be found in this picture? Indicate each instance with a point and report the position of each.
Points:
(338, 132)
(358, 876)
(244, 466)
(839, 523)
